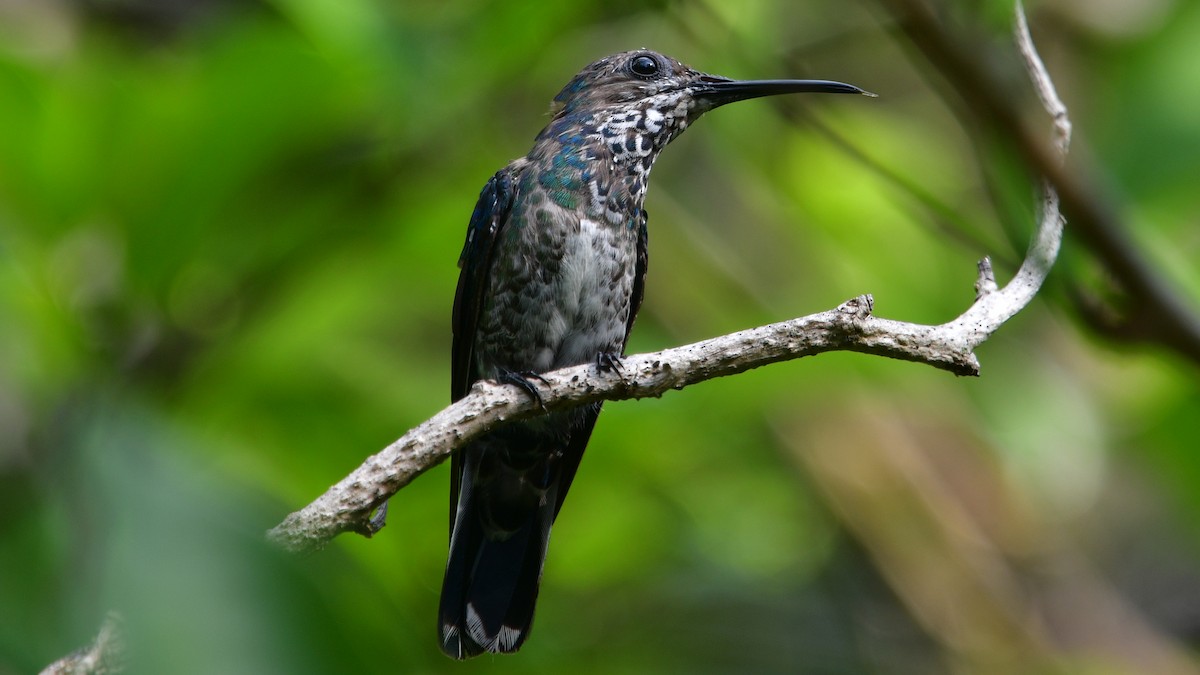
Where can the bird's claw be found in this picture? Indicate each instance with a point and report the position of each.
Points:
(607, 362)
(522, 380)
(378, 519)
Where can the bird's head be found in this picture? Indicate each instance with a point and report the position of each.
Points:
(643, 79)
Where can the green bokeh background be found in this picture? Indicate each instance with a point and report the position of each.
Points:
(227, 243)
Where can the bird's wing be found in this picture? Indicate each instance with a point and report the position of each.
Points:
(491, 213)
(488, 219)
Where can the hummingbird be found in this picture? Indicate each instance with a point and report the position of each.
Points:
(552, 275)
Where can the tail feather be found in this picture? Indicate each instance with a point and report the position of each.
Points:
(491, 585)
(498, 541)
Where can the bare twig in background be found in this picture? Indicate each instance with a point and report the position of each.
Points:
(1009, 596)
(1153, 311)
(1042, 84)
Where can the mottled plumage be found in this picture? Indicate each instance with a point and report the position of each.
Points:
(552, 275)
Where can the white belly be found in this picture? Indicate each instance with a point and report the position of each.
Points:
(592, 292)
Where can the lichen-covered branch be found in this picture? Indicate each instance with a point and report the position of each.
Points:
(347, 506)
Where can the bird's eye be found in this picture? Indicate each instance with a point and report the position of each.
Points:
(644, 66)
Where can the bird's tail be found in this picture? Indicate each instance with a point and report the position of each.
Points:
(493, 572)
(491, 586)
(505, 503)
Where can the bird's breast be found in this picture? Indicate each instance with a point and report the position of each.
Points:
(595, 282)
(572, 301)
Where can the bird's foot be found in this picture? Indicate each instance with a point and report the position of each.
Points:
(607, 362)
(378, 519)
(523, 380)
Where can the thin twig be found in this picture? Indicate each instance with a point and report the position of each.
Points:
(1042, 84)
(1154, 311)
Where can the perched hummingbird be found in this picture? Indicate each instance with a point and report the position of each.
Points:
(552, 276)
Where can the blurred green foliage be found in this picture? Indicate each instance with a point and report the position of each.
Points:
(227, 244)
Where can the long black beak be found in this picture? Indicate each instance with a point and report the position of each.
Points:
(720, 91)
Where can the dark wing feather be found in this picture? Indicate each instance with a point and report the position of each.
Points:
(487, 221)
(491, 213)
(639, 276)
